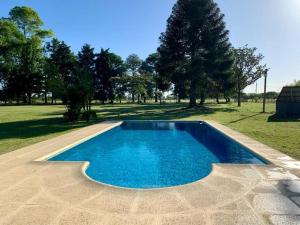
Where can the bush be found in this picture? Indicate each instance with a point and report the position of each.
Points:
(89, 115)
(72, 115)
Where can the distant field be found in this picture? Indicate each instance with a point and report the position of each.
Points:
(24, 125)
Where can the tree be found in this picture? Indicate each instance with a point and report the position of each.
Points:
(11, 40)
(77, 93)
(120, 84)
(28, 21)
(295, 83)
(86, 61)
(108, 67)
(137, 86)
(60, 65)
(173, 61)
(195, 49)
(31, 51)
(149, 67)
(247, 68)
(133, 64)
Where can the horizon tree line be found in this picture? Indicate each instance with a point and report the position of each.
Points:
(195, 60)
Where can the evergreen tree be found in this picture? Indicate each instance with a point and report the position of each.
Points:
(86, 61)
(60, 65)
(173, 61)
(195, 49)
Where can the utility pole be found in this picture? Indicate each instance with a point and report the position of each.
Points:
(256, 88)
(265, 90)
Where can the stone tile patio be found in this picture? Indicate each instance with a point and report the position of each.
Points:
(43, 193)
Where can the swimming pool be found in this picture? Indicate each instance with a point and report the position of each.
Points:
(157, 154)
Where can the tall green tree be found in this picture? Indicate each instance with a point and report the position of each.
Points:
(60, 64)
(77, 94)
(149, 67)
(11, 40)
(86, 61)
(248, 68)
(195, 48)
(133, 64)
(108, 66)
(31, 52)
(173, 62)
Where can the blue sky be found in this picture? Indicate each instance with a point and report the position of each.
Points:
(133, 26)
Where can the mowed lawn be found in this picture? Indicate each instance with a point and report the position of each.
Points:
(24, 125)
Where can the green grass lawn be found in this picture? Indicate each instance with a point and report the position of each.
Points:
(24, 125)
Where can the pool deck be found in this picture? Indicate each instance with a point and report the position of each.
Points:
(39, 192)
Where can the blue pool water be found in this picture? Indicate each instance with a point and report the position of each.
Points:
(157, 154)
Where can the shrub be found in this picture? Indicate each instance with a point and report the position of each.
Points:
(89, 115)
(72, 115)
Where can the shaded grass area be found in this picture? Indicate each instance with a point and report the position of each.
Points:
(24, 125)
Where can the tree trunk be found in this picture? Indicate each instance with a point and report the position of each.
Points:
(217, 98)
(24, 100)
(239, 92)
(46, 99)
(90, 103)
(265, 93)
(202, 99)
(133, 100)
(139, 99)
(156, 97)
(144, 99)
(239, 98)
(193, 100)
(52, 99)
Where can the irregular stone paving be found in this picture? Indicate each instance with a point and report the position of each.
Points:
(40, 193)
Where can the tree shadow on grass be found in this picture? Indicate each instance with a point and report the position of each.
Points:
(245, 118)
(36, 128)
(158, 112)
